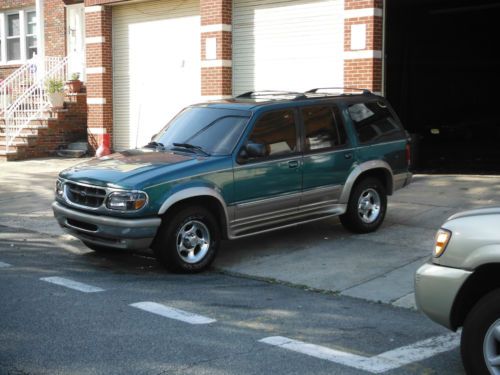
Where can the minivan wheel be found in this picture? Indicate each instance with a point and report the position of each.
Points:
(366, 207)
(188, 241)
(480, 343)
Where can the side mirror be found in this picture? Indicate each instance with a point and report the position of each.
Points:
(256, 150)
(251, 150)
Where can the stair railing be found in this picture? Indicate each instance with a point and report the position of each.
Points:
(16, 83)
(33, 102)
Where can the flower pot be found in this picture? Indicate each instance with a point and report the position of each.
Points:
(56, 99)
(74, 86)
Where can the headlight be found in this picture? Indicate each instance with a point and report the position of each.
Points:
(442, 238)
(59, 189)
(126, 201)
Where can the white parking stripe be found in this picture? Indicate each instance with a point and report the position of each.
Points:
(173, 313)
(378, 364)
(72, 284)
(5, 265)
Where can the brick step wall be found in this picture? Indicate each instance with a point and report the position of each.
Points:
(44, 136)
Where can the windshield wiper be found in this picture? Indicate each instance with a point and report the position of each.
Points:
(154, 144)
(191, 147)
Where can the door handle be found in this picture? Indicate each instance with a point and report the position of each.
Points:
(293, 164)
(348, 155)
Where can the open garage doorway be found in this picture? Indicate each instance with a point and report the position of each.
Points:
(442, 75)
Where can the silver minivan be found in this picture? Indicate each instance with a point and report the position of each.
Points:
(460, 286)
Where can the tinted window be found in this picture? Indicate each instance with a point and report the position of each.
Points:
(374, 122)
(321, 129)
(216, 131)
(277, 131)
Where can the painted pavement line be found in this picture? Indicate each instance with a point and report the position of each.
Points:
(377, 364)
(71, 284)
(5, 265)
(173, 313)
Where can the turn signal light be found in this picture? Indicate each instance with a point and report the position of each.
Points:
(442, 238)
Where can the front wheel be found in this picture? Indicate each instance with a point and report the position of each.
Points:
(188, 241)
(480, 343)
(366, 207)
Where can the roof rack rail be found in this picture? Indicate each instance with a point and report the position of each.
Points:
(315, 91)
(253, 94)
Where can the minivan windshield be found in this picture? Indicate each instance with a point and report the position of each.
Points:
(206, 130)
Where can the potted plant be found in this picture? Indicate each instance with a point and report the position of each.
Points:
(74, 84)
(55, 92)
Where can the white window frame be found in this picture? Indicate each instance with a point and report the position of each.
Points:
(22, 34)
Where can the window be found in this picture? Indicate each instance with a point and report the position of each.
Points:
(374, 122)
(277, 131)
(321, 129)
(18, 40)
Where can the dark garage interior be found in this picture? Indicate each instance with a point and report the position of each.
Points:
(442, 75)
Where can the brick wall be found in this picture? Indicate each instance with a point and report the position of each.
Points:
(363, 66)
(10, 4)
(98, 25)
(5, 71)
(216, 24)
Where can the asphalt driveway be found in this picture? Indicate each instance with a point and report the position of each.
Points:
(322, 256)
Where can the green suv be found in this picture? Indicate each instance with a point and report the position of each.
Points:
(228, 169)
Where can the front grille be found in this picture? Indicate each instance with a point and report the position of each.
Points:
(85, 195)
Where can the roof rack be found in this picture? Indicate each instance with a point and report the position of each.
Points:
(254, 94)
(315, 91)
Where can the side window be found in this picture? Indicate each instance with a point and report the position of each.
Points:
(374, 122)
(277, 132)
(321, 129)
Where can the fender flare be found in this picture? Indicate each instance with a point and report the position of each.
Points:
(195, 192)
(358, 171)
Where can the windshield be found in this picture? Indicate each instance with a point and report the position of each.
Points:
(212, 131)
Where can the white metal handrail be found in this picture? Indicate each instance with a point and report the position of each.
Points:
(17, 83)
(33, 101)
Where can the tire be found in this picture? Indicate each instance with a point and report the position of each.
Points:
(98, 248)
(188, 241)
(478, 336)
(366, 207)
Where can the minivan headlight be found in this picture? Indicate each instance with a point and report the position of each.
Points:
(442, 238)
(126, 200)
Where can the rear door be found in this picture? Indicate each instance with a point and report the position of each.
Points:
(267, 189)
(328, 157)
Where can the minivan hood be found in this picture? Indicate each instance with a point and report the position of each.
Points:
(478, 212)
(127, 168)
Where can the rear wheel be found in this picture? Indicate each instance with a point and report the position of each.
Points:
(188, 241)
(480, 344)
(366, 207)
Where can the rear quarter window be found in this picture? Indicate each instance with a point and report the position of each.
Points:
(374, 122)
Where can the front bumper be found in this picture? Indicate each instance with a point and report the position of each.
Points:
(107, 231)
(435, 290)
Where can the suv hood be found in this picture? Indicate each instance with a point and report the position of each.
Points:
(478, 212)
(129, 168)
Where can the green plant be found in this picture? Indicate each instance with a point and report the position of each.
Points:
(75, 76)
(54, 85)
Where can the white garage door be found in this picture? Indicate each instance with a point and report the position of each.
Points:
(287, 45)
(156, 67)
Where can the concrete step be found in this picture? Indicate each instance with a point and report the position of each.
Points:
(22, 138)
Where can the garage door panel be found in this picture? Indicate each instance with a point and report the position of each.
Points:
(156, 67)
(292, 45)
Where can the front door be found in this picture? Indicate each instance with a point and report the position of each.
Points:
(76, 39)
(268, 188)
